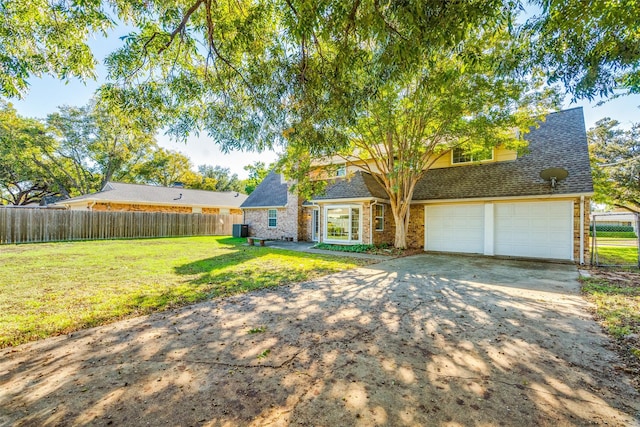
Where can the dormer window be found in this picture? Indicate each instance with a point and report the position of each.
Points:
(459, 155)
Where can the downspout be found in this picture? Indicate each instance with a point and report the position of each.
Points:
(375, 202)
(90, 207)
(581, 230)
(318, 240)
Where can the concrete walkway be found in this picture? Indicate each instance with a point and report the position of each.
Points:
(423, 340)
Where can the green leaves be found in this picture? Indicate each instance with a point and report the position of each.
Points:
(615, 162)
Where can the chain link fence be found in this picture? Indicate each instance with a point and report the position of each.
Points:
(615, 240)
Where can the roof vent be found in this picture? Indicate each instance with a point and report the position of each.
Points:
(179, 197)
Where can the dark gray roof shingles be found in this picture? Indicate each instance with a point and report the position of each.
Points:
(359, 185)
(271, 192)
(559, 141)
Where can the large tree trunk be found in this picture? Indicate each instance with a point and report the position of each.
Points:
(401, 218)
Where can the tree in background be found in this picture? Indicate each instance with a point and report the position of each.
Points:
(615, 162)
(96, 145)
(221, 178)
(257, 172)
(22, 178)
(592, 47)
(165, 168)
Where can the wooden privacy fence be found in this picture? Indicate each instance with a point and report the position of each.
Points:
(23, 225)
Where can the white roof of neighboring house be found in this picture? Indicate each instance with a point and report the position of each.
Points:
(614, 216)
(117, 192)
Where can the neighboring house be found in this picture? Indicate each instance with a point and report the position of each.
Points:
(498, 205)
(116, 196)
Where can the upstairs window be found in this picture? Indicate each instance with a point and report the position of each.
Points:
(341, 171)
(273, 218)
(460, 155)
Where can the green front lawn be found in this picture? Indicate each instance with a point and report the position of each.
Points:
(55, 288)
(617, 255)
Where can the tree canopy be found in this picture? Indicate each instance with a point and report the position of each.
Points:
(76, 150)
(615, 162)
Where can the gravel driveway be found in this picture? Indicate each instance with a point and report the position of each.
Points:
(422, 340)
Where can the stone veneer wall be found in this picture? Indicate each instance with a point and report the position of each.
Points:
(415, 235)
(576, 230)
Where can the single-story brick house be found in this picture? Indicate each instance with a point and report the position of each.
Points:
(120, 197)
(497, 205)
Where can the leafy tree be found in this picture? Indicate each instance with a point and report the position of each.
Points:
(615, 161)
(257, 172)
(95, 145)
(470, 97)
(22, 178)
(167, 167)
(222, 177)
(592, 47)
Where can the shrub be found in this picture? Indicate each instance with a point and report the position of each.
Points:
(345, 248)
(615, 228)
(615, 234)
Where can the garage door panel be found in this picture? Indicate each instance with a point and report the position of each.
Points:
(456, 228)
(534, 229)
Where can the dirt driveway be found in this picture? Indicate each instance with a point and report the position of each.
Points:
(422, 340)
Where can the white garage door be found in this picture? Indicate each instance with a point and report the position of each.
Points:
(534, 229)
(455, 228)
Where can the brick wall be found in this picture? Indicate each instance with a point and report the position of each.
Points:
(123, 207)
(288, 219)
(388, 234)
(305, 224)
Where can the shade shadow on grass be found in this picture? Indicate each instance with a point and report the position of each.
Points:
(253, 268)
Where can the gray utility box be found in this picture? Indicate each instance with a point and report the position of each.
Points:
(240, 230)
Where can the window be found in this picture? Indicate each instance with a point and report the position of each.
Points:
(273, 218)
(378, 214)
(341, 171)
(460, 155)
(342, 224)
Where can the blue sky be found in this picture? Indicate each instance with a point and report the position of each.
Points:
(47, 93)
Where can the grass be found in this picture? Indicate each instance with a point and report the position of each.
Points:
(617, 304)
(616, 234)
(617, 255)
(55, 288)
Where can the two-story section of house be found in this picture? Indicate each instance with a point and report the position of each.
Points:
(495, 202)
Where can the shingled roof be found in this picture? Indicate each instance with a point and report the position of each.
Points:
(272, 192)
(150, 194)
(358, 186)
(559, 141)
